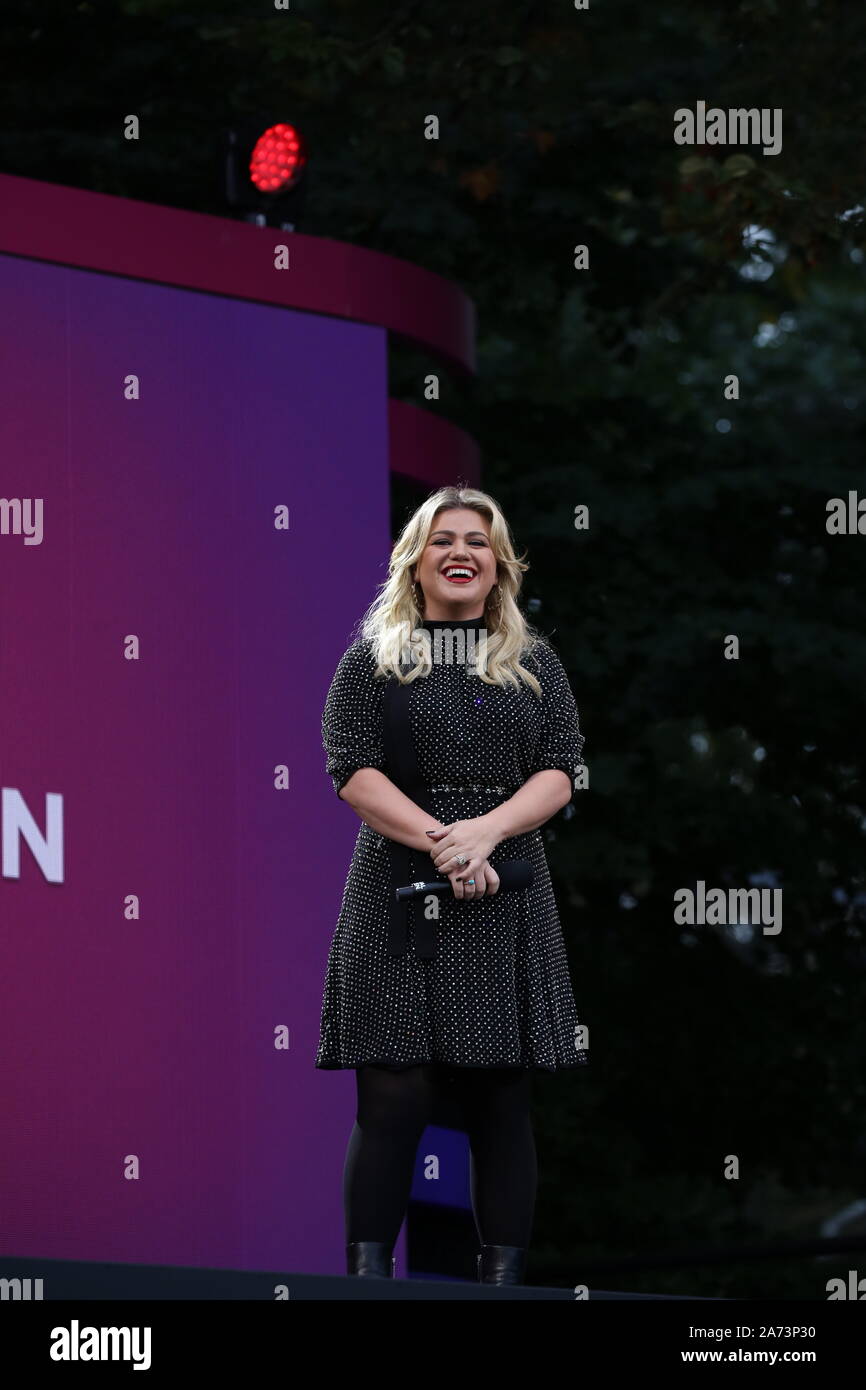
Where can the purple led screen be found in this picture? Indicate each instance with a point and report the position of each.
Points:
(148, 1115)
(444, 1183)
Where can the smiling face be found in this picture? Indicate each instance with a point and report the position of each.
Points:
(459, 541)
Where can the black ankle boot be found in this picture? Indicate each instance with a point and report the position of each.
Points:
(370, 1258)
(501, 1264)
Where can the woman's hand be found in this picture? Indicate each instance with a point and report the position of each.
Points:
(485, 885)
(474, 838)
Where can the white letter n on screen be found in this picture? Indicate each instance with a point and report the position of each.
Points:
(18, 825)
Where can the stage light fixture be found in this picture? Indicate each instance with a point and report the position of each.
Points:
(265, 171)
(277, 160)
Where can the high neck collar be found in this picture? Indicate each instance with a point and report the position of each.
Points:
(453, 622)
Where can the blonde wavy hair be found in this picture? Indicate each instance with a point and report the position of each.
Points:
(394, 612)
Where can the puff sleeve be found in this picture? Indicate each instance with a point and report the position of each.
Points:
(560, 744)
(352, 718)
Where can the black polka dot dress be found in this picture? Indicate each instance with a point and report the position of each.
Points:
(497, 991)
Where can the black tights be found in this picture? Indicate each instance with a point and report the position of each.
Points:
(394, 1108)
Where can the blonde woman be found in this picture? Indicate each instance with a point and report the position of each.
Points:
(452, 764)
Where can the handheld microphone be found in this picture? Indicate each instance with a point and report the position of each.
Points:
(514, 876)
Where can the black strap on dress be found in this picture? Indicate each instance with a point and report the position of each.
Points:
(405, 773)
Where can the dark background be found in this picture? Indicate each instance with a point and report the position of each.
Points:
(605, 387)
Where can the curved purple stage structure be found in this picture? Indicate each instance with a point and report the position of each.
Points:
(194, 512)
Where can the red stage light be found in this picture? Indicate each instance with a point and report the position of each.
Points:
(277, 159)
